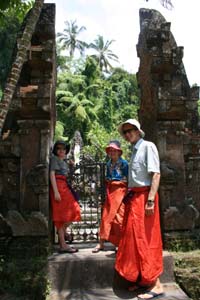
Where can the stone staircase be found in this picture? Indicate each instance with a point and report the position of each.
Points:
(88, 276)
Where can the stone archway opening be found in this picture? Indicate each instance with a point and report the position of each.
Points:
(168, 114)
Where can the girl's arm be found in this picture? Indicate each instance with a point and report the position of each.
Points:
(54, 186)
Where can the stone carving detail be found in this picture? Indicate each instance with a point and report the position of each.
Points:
(169, 116)
(184, 220)
(35, 224)
(37, 179)
(76, 146)
(168, 172)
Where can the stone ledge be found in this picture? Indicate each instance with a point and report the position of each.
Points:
(172, 292)
(70, 270)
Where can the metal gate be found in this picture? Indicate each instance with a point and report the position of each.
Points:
(88, 180)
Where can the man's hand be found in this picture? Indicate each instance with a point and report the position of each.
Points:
(149, 208)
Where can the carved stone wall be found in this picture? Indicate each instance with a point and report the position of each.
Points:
(27, 136)
(169, 116)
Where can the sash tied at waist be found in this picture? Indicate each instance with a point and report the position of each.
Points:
(60, 177)
(139, 189)
(135, 190)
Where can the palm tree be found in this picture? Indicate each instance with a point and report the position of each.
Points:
(70, 40)
(104, 54)
(165, 3)
(23, 46)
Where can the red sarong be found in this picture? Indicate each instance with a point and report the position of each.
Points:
(139, 256)
(113, 212)
(67, 210)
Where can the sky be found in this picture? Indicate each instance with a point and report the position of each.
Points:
(119, 20)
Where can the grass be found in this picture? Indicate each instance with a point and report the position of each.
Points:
(187, 272)
(23, 278)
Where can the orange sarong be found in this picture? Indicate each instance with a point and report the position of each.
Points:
(66, 210)
(139, 256)
(113, 212)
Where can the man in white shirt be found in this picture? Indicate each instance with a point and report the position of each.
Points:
(139, 257)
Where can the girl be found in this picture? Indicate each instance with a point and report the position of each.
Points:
(65, 209)
(116, 187)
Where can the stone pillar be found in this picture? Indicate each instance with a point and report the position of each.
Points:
(169, 116)
(24, 151)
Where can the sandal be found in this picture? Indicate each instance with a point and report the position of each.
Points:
(68, 250)
(97, 249)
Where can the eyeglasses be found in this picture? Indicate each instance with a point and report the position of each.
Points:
(127, 131)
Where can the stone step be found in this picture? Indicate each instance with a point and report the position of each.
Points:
(86, 270)
(171, 292)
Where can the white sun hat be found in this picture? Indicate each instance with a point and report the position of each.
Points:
(133, 122)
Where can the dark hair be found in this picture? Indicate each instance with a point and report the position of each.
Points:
(60, 142)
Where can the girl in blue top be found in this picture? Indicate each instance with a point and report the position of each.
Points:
(116, 187)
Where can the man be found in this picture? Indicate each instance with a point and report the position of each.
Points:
(139, 257)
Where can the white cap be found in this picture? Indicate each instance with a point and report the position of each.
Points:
(133, 122)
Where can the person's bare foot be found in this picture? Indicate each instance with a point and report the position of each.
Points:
(97, 249)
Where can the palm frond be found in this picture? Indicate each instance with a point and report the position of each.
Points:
(86, 102)
(80, 113)
(61, 93)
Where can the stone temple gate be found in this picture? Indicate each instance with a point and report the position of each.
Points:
(168, 114)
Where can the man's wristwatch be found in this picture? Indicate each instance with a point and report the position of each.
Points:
(150, 202)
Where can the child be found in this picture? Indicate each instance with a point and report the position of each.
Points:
(116, 187)
(65, 209)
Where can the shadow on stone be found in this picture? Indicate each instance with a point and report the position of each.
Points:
(120, 287)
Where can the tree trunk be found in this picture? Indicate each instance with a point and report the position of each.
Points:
(23, 45)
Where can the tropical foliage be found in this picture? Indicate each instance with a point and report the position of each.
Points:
(8, 34)
(17, 8)
(94, 104)
(12, 13)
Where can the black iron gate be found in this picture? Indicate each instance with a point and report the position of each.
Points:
(88, 180)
